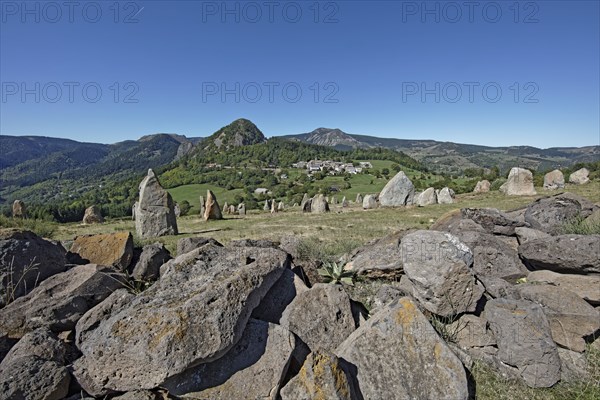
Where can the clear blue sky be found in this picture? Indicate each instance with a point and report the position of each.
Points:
(373, 57)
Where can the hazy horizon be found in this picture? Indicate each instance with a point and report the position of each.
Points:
(486, 73)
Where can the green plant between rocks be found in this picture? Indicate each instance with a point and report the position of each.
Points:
(333, 272)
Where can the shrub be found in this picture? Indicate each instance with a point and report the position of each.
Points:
(41, 228)
(581, 226)
(334, 273)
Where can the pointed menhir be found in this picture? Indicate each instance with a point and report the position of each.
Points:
(155, 210)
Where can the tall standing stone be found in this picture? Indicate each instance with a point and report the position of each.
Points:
(93, 215)
(305, 199)
(266, 206)
(212, 209)
(399, 191)
(241, 208)
(519, 183)
(554, 180)
(344, 202)
(359, 198)
(280, 206)
(155, 212)
(19, 210)
(319, 204)
(273, 207)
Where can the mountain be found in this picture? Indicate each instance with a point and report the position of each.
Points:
(240, 132)
(456, 157)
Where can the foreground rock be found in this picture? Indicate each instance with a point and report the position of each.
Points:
(482, 186)
(570, 317)
(152, 258)
(60, 300)
(253, 369)
(155, 211)
(580, 177)
(92, 215)
(194, 314)
(26, 260)
(321, 377)
(185, 245)
(552, 213)
(35, 368)
(585, 286)
(554, 180)
(428, 197)
(281, 294)
(19, 210)
(524, 340)
(114, 249)
(575, 254)
(488, 220)
(438, 265)
(397, 354)
(519, 183)
(321, 317)
(399, 191)
(212, 211)
(381, 258)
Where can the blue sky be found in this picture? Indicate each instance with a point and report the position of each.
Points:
(415, 70)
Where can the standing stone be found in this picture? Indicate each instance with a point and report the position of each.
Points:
(19, 210)
(554, 180)
(445, 196)
(273, 207)
(333, 200)
(93, 215)
(133, 208)
(226, 207)
(319, 204)
(399, 191)
(519, 183)
(280, 206)
(211, 208)
(177, 210)
(202, 206)
(306, 207)
(241, 209)
(369, 202)
(482, 186)
(305, 199)
(266, 207)
(524, 340)
(344, 202)
(438, 265)
(155, 213)
(397, 354)
(232, 209)
(580, 177)
(359, 198)
(426, 198)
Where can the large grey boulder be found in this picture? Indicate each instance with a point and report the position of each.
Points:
(25, 261)
(399, 191)
(519, 183)
(493, 220)
(321, 377)
(152, 258)
(397, 354)
(35, 368)
(580, 177)
(212, 210)
(380, 258)
(253, 369)
(576, 254)
(445, 196)
(193, 315)
(438, 265)
(551, 213)
(570, 317)
(554, 180)
(369, 202)
(525, 235)
(155, 211)
(281, 294)
(524, 340)
(585, 286)
(482, 186)
(319, 204)
(60, 300)
(321, 317)
(428, 197)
